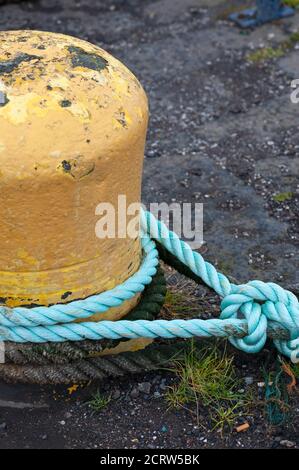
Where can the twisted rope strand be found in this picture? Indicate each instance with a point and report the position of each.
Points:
(167, 329)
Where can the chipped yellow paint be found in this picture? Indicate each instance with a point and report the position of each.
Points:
(61, 154)
(122, 87)
(23, 255)
(60, 82)
(80, 111)
(16, 111)
(3, 87)
(21, 108)
(55, 154)
(90, 75)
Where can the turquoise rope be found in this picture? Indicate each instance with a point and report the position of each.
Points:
(248, 310)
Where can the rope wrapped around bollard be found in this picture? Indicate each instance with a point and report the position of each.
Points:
(249, 312)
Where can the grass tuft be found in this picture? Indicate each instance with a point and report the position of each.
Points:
(282, 197)
(208, 377)
(175, 303)
(225, 416)
(268, 53)
(291, 3)
(178, 304)
(98, 402)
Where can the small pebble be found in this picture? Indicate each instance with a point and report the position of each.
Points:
(248, 380)
(163, 385)
(134, 393)
(287, 443)
(116, 394)
(144, 387)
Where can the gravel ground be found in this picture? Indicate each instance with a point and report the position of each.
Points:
(223, 131)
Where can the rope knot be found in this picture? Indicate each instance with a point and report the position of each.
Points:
(260, 302)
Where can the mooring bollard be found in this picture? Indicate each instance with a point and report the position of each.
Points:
(73, 121)
(265, 11)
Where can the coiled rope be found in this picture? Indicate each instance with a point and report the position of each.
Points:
(148, 308)
(249, 312)
(82, 361)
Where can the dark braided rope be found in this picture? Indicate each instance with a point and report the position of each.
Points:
(154, 357)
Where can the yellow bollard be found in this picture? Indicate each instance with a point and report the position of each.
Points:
(73, 123)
